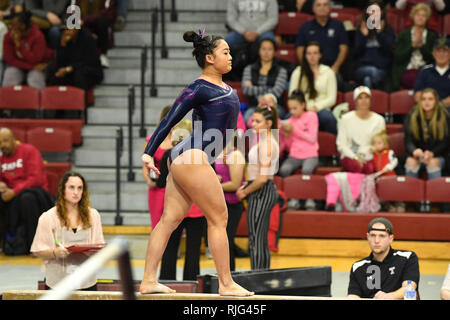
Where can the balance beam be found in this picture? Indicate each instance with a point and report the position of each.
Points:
(113, 295)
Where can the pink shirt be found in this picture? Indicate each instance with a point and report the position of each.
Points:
(303, 141)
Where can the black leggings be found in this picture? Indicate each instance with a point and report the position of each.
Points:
(234, 217)
(194, 232)
(260, 204)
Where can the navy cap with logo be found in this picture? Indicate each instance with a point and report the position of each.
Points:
(441, 42)
(387, 225)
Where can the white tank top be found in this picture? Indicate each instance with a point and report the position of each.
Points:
(258, 155)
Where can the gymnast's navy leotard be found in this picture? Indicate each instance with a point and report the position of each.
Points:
(215, 111)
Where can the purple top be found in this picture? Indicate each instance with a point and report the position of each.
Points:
(223, 170)
(215, 109)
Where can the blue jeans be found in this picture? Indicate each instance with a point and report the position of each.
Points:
(327, 121)
(369, 75)
(432, 173)
(235, 38)
(122, 8)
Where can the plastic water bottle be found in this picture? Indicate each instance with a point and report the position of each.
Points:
(410, 292)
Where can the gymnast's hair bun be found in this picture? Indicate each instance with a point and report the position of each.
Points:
(191, 36)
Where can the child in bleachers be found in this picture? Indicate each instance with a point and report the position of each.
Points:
(301, 130)
(384, 162)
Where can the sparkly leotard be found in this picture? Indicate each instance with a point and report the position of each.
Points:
(214, 117)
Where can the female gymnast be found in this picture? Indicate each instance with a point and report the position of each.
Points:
(191, 179)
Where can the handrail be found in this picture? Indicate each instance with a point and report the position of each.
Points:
(164, 52)
(118, 221)
(142, 129)
(119, 249)
(173, 13)
(131, 107)
(153, 90)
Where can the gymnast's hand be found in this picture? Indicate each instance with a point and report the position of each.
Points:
(149, 164)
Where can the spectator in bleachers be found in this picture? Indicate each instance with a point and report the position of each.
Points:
(304, 6)
(436, 7)
(72, 221)
(373, 50)
(7, 7)
(25, 52)
(250, 21)
(445, 290)
(77, 61)
(427, 142)
(413, 48)
(355, 133)
(122, 12)
(389, 269)
(437, 75)
(384, 162)
(363, 4)
(24, 192)
(318, 83)
(266, 75)
(329, 33)
(301, 130)
(49, 15)
(98, 17)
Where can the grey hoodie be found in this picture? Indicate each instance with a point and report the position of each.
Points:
(252, 15)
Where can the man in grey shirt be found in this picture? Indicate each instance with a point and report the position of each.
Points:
(54, 12)
(251, 20)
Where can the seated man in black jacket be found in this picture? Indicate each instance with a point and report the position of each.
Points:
(77, 61)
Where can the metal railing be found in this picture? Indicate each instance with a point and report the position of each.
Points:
(117, 249)
(131, 107)
(118, 220)
(153, 90)
(173, 12)
(164, 52)
(142, 129)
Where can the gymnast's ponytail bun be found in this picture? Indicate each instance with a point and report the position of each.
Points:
(203, 45)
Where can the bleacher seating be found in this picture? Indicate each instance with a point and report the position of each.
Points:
(74, 125)
(304, 187)
(52, 180)
(397, 142)
(55, 144)
(290, 22)
(401, 102)
(62, 98)
(437, 190)
(19, 97)
(288, 54)
(401, 188)
(446, 25)
(394, 18)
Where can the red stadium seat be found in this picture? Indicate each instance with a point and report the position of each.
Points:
(288, 55)
(55, 144)
(343, 16)
(234, 84)
(340, 98)
(305, 187)
(397, 142)
(290, 22)
(446, 25)
(58, 168)
(438, 190)
(74, 125)
(19, 97)
(19, 133)
(48, 139)
(63, 98)
(401, 188)
(278, 182)
(395, 19)
(401, 102)
(241, 95)
(327, 144)
(52, 180)
(380, 101)
(394, 127)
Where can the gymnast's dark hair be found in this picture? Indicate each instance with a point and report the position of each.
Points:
(202, 45)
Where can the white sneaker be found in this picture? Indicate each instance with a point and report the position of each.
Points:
(310, 204)
(104, 61)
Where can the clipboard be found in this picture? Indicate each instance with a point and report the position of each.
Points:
(78, 248)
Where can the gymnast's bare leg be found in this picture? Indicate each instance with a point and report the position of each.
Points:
(188, 183)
